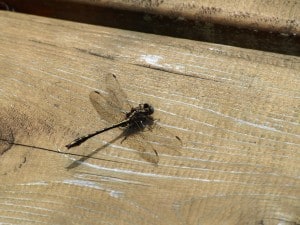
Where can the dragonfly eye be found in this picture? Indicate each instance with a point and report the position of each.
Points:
(148, 108)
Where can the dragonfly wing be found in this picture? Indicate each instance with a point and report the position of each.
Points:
(117, 96)
(163, 140)
(138, 142)
(152, 141)
(105, 109)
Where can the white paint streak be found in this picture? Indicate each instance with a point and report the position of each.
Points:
(180, 67)
(151, 59)
(116, 194)
(256, 125)
(174, 127)
(35, 183)
(167, 112)
(147, 174)
(83, 183)
(94, 185)
(215, 49)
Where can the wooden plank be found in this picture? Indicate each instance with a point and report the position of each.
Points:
(273, 16)
(236, 111)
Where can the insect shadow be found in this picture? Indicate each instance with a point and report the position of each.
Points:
(6, 139)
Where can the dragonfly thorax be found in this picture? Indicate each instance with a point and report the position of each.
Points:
(142, 109)
(148, 109)
(140, 116)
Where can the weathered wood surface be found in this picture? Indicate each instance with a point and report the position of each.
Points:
(269, 15)
(274, 15)
(237, 112)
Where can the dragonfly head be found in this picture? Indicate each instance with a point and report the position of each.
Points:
(148, 109)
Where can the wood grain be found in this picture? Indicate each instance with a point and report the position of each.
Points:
(236, 111)
(274, 15)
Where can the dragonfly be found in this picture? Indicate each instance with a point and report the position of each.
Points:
(140, 130)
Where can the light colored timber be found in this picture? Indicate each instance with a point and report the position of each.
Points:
(236, 111)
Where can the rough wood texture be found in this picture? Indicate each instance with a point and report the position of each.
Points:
(237, 112)
(274, 15)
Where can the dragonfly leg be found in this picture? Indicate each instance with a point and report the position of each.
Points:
(124, 139)
(154, 125)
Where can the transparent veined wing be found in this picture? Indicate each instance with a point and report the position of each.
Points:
(152, 141)
(117, 97)
(111, 106)
(106, 111)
